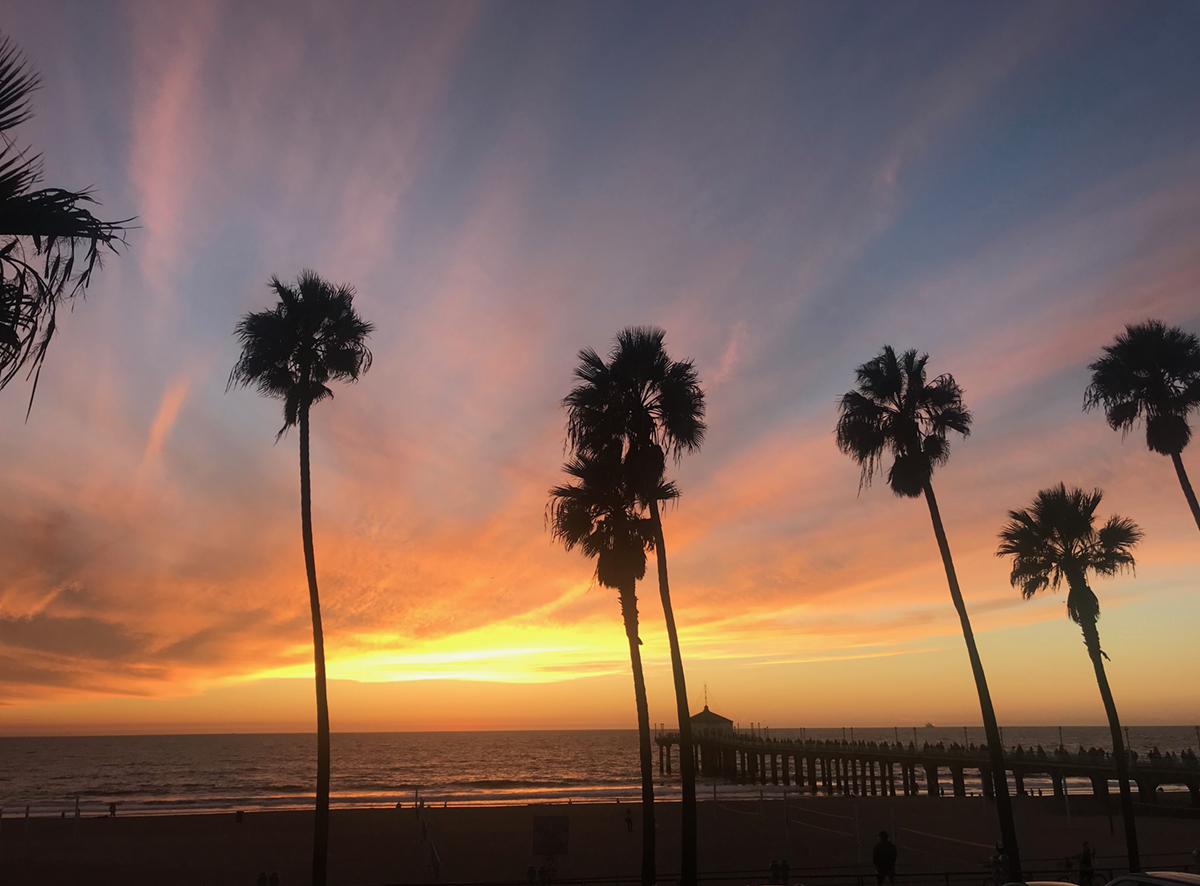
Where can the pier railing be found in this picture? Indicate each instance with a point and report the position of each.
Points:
(867, 767)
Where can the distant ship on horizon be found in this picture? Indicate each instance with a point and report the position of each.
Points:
(929, 726)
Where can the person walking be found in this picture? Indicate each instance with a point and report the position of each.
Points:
(884, 857)
(1001, 866)
(1086, 865)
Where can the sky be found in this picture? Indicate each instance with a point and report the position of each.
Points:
(784, 188)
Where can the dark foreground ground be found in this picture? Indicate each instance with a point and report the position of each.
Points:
(820, 837)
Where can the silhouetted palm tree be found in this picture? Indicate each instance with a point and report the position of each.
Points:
(649, 404)
(894, 409)
(598, 514)
(312, 337)
(1055, 540)
(49, 242)
(1151, 373)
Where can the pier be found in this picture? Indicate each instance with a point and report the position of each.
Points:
(884, 769)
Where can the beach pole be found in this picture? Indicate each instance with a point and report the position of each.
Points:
(1067, 800)
(857, 838)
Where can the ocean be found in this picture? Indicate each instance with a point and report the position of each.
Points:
(166, 774)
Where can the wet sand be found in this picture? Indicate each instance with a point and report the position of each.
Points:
(818, 836)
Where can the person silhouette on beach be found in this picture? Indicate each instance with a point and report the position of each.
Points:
(629, 820)
(1001, 866)
(112, 810)
(1086, 866)
(884, 858)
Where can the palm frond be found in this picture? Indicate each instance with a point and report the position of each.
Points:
(50, 242)
(681, 402)
(862, 432)
(17, 81)
(1115, 541)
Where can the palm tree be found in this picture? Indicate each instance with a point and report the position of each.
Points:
(598, 514)
(649, 404)
(894, 409)
(312, 337)
(1055, 540)
(50, 242)
(1151, 372)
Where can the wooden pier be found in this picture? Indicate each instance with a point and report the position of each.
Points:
(880, 768)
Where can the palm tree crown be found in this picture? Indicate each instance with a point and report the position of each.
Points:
(893, 408)
(1056, 539)
(598, 515)
(42, 231)
(640, 397)
(1150, 373)
(311, 337)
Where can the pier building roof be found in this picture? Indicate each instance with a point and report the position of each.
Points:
(709, 718)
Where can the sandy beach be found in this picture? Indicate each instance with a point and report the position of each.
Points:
(820, 837)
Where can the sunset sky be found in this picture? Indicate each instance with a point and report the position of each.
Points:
(783, 188)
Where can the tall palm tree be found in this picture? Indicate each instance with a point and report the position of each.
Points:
(599, 515)
(895, 409)
(312, 337)
(1056, 540)
(50, 243)
(648, 404)
(1151, 372)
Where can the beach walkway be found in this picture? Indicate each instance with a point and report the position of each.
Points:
(826, 840)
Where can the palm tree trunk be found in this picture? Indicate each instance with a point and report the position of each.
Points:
(1008, 828)
(1091, 639)
(1187, 487)
(321, 821)
(630, 614)
(687, 762)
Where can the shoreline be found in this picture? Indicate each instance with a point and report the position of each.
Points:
(1173, 797)
(1171, 802)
